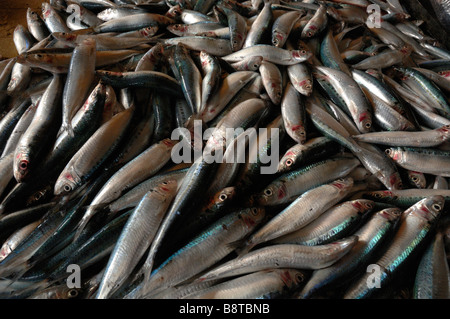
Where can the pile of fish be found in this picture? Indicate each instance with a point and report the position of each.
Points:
(119, 178)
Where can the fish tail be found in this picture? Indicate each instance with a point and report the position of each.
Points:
(67, 126)
(82, 225)
(241, 246)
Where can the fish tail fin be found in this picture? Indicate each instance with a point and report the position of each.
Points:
(82, 223)
(241, 246)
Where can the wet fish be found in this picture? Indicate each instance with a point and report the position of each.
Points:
(415, 224)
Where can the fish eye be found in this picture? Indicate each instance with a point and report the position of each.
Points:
(67, 188)
(299, 277)
(436, 207)
(368, 125)
(255, 66)
(72, 293)
(415, 178)
(223, 197)
(254, 211)
(289, 162)
(302, 52)
(23, 165)
(369, 205)
(377, 195)
(268, 192)
(388, 151)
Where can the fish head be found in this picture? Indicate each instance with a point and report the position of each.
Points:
(46, 10)
(301, 55)
(417, 178)
(392, 214)
(365, 122)
(381, 195)
(220, 199)
(167, 188)
(105, 14)
(343, 184)
(271, 193)
(299, 131)
(58, 292)
(174, 12)
(64, 36)
(5, 251)
(288, 160)
(306, 87)
(39, 195)
(149, 31)
(177, 29)
(35, 58)
(309, 32)
(254, 63)
(275, 92)
(445, 132)
(292, 277)
(21, 165)
(205, 57)
(278, 38)
(394, 181)
(445, 74)
(428, 208)
(224, 195)
(253, 216)
(66, 182)
(394, 153)
(32, 16)
(363, 205)
(406, 50)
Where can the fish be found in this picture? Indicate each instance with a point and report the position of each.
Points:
(431, 138)
(140, 222)
(302, 211)
(80, 75)
(434, 267)
(29, 147)
(415, 223)
(417, 159)
(217, 237)
(283, 256)
(371, 235)
(296, 182)
(265, 284)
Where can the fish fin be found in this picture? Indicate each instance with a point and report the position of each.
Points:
(85, 31)
(241, 246)
(81, 225)
(68, 128)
